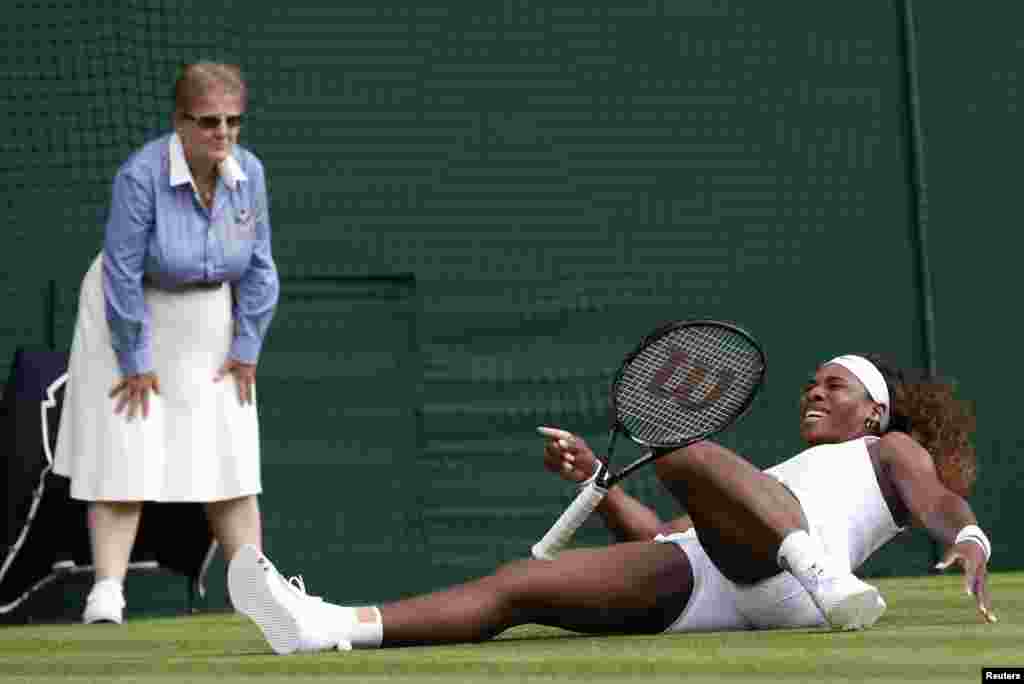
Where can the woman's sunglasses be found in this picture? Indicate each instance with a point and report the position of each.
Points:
(210, 121)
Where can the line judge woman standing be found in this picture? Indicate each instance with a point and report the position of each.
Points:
(160, 402)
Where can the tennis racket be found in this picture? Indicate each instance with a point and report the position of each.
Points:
(684, 382)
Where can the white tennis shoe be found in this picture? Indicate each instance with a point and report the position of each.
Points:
(848, 602)
(105, 603)
(291, 620)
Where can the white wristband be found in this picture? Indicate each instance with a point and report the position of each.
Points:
(973, 533)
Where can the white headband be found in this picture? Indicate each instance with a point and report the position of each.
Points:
(871, 378)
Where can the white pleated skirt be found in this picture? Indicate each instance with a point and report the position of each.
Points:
(198, 444)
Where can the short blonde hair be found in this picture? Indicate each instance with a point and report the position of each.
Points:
(201, 78)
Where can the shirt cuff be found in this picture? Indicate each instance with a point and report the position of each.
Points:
(135, 361)
(245, 349)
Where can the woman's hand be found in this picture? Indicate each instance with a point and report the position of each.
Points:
(971, 558)
(625, 517)
(134, 393)
(567, 455)
(245, 378)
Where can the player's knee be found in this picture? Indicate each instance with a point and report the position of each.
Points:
(507, 590)
(686, 461)
(506, 582)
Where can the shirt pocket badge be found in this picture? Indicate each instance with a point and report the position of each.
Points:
(245, 224)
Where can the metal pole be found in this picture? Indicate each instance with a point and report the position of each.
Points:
(919, 187)
(919, 195)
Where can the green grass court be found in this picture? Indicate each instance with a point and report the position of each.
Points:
(931, 633)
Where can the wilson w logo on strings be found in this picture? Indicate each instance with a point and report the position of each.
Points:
(697, 374)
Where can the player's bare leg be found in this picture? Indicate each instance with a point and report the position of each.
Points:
(752, 527)
(637, 587)
(741, 514)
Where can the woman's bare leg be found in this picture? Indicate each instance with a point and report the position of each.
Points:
(113, 526)
(749, 523)
(235, 522)
(740, 513)
(639, 587)
(112, 529)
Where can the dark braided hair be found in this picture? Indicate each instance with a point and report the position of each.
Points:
(925, 408)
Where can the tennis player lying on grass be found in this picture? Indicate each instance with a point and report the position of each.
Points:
(759, 550)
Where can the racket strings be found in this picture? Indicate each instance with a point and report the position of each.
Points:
(692, 381)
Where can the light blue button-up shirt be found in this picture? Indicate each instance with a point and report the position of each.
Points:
(158, 228)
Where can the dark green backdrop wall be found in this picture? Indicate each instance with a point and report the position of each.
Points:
(480, 206)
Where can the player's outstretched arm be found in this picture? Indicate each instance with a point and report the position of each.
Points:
(626, 518)
(945, 515)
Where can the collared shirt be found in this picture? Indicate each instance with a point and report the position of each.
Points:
(159, 229)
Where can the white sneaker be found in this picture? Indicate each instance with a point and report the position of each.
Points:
(291, 620)
(848, 602)
(105, 603)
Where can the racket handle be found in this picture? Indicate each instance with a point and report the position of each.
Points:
(565, 527)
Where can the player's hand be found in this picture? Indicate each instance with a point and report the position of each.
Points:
(971, 558)
(133, 392)
(245, 378)
(567, 454)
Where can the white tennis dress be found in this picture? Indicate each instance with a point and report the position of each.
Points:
(198, 443)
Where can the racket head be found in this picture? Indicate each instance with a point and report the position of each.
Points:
(686, 381)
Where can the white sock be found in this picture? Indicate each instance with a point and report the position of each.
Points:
(112, 582)
(347, 627)
(804, 558)
(368, 634)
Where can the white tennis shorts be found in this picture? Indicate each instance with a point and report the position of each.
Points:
(717, 604)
